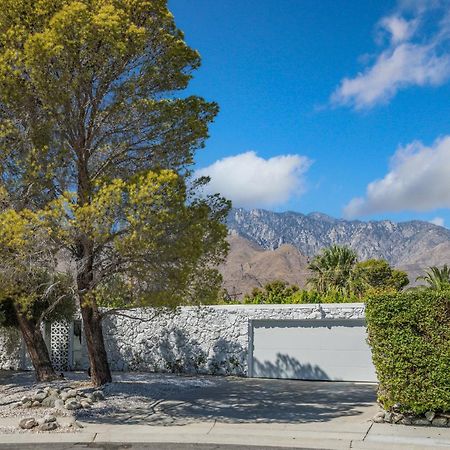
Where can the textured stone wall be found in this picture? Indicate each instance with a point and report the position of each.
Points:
(211, 339)
(10, 349)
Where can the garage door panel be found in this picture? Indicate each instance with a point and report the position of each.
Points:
(315, 350)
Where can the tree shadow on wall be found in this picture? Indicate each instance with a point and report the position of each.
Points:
(287, 367)
(176, 352)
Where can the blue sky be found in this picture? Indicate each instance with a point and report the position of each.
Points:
(322, 100)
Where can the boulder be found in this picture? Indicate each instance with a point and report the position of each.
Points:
(397, 417)
(97, 396)
(40, 396)
(49, 402)
(407, 420)
(430, 415)
(379, 417)
(72, 404)
(59, 404)
(439, 422)
(48, 426)
(28, 423)
(85, 404)
(49, 418)
(420, 421)
(72, 393)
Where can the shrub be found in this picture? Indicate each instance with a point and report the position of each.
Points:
(409, 333)
(280, 292)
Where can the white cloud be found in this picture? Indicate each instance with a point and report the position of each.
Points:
(398, 28)
(438, 221)
(418, 180)
(254, 182)
(410, 59)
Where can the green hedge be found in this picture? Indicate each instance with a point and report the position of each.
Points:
(409, 334)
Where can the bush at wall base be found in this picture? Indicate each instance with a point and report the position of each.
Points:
(409, 334)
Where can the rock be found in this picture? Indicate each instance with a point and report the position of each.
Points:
(407, 420)
(97, 396)
(72, 405)
(53, 392)
(49, 402)
(397, 417)
(49, 418)
(72, 393)
(85, 404)
(379, 417)
(76, 424)
(48, 426)
(63, 396)
(396, 407)
(28, 423)
(59, 404)
(439, 422)
(35, 404)
(40, 396)
(27, 404)
(420, 421)
(25, 399)
(430, 415)
(388, 417)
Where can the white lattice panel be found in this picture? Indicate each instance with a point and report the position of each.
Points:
(59, 344)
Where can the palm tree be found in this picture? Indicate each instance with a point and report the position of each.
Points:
(436, 278)
(333, 270)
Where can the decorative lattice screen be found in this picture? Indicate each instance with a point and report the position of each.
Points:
(59, 344)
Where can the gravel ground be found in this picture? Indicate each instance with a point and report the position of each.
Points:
(137, 394)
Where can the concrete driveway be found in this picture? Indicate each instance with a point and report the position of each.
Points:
(179, 412)
(155, 400)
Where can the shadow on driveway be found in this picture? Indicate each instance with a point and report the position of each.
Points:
(172, 400)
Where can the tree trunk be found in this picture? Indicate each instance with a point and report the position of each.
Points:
(92, 320)
(98, 358)
(37, 349)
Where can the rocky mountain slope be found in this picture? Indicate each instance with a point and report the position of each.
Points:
(266, 245)
(249, 265)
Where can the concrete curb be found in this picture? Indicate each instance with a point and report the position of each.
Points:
(364, 436)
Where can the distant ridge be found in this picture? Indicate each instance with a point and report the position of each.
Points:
(411, 246)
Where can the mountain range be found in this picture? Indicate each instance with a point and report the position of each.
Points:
(266, 245)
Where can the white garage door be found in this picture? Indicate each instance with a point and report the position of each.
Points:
(311, 350)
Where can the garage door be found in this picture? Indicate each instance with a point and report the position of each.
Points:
(311, 350)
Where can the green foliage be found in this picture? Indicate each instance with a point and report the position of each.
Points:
(96, 149)
(336, 269)
(409, 334)
(437, 278)
(275, 292)
(37, 295)
(280, 292)
(377, 274)
(333, 270)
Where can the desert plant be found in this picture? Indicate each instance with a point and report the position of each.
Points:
(333, 269)
(436, 278)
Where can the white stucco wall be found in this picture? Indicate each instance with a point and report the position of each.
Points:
(10, 349)
(212, 339)
(209, 339)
